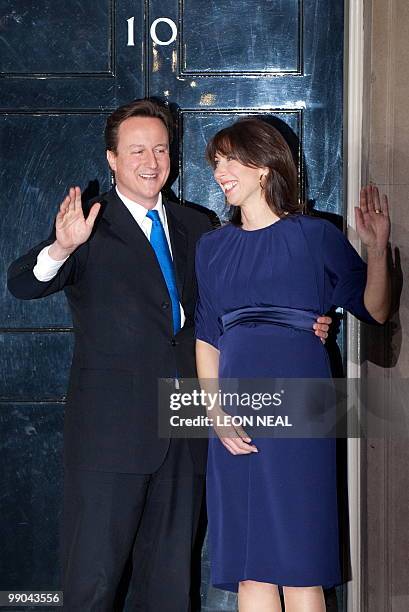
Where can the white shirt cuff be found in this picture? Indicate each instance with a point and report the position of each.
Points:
(46, 267)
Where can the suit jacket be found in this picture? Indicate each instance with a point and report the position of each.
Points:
(124, 342)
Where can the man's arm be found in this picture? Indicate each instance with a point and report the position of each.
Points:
(51, 265)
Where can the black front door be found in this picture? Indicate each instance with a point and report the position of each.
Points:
(64, 66)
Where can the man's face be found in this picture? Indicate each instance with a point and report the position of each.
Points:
(141, 162)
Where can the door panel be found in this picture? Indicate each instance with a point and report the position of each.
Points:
(270, 36)
(30, 359)
(43, 153)
(62, 41)
(65, 54)
(31, 449)
(64, 66)
(216, 70)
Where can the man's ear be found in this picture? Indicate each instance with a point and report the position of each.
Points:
(111, 157)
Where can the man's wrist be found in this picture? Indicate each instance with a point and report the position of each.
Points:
(59, 253)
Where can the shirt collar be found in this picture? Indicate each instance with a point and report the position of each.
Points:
(138, 211)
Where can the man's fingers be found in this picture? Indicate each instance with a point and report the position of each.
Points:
(92, 215)
(71, 199)
(64, 204)
(321, 327)
(77, 199)
(324, 319)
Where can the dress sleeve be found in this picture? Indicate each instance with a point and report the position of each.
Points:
(207, 324)
(345, 274)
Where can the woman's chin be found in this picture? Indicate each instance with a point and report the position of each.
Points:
(232, 202)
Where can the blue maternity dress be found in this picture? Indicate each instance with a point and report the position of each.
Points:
(273, 514)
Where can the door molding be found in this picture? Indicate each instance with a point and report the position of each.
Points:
(354, 62)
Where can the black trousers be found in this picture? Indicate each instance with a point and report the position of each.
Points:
(150, 518)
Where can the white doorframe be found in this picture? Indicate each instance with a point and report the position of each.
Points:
(354, 24)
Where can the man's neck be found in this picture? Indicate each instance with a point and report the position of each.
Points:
(130, 201)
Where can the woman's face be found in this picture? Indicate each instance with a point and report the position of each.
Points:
(240, 184)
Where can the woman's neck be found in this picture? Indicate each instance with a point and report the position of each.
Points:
(256, 215)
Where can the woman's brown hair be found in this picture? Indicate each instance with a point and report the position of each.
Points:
(257, 144)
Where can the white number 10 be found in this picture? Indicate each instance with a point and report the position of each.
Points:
(154, 37)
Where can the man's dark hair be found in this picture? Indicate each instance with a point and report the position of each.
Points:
(137, 108)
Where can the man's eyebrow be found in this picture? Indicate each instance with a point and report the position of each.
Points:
(160, 144)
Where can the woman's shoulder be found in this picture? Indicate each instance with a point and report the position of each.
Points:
(209, 239)
(315, 225)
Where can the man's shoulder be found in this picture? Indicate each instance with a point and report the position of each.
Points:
(197, 217)
(104, 199)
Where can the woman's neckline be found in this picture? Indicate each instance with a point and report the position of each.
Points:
(260, 229)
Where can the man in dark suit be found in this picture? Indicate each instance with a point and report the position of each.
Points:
(127, 269)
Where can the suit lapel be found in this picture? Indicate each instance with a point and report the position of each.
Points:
(121, 222)
(178, 241)
(126, 229)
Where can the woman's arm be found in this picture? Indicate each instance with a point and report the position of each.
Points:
(373, 227)
(234, 438)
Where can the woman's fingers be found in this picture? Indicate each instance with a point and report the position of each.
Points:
(376, 203)
(359, 219)
(385, 205)
(237, 441)
(236, 448)
(363, 200)
(369, 198)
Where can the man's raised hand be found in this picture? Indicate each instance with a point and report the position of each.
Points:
(72, 229)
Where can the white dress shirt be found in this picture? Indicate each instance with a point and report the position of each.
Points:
(47, 267)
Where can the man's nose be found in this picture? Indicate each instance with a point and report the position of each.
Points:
(151, 159)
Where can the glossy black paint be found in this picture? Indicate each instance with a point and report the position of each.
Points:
(64, 65)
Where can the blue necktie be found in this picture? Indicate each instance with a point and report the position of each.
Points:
(160, 246)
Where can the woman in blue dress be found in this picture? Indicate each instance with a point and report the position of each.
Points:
(263, 279)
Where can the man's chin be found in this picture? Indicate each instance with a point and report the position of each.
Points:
(151, 189)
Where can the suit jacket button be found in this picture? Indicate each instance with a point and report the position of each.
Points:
(165, 305)
(173, 342)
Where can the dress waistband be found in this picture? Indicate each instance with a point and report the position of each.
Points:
(276, 315)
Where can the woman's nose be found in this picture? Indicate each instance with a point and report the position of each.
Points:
(218, 172)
